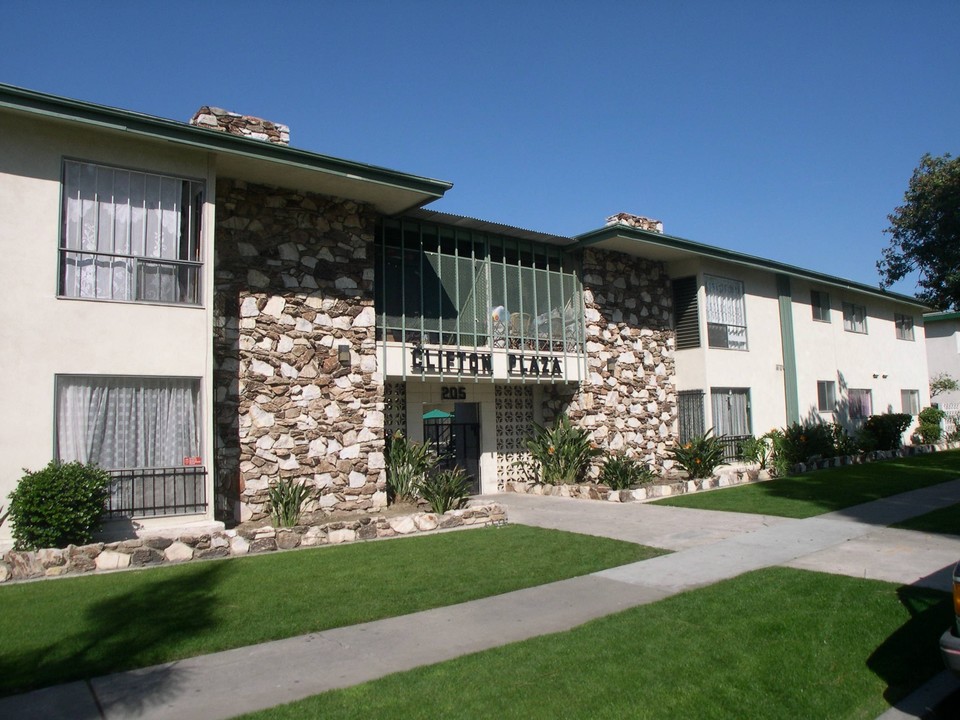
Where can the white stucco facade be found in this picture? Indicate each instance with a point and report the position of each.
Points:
(942, 331)
(45, 335)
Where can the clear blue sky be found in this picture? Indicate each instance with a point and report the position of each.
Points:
(785, 130)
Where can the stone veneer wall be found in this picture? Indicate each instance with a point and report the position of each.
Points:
(294, 280)
(634, 408)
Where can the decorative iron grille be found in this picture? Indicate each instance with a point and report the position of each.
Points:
(151, 492)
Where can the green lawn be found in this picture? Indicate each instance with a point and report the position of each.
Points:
(801, 496)
(945, 521)
(73, 628)
(770, 644)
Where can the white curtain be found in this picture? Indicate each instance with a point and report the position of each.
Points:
(122, 422)
(731, 415)
(120, 212)
(725, 307)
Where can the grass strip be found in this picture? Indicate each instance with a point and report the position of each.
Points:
(801, 496)
(945, 521)
(770, 644)
(74, 628)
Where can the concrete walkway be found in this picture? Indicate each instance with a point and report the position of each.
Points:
(710, 546)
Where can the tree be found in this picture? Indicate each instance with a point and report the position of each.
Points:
(925, 233)
(941, 383)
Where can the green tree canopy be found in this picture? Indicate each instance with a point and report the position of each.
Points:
(925, 233)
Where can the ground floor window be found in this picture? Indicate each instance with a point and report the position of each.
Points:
(731, 418)
(860, 401)
(690, 414)
(145, 431)
(910, 401)
(826, 395)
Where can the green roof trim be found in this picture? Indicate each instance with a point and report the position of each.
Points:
(940, 317)
(669, 241)
(214, 140)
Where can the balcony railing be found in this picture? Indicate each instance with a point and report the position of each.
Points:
(152, 492)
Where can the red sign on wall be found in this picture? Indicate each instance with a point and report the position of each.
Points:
(192, 460)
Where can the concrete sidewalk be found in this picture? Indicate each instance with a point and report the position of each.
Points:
(710, 547)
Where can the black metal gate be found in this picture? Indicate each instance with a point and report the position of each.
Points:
(456, 445)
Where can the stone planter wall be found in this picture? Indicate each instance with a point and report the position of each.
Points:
(150, 551)
(294, 281)
(726, 476)
(631, 407)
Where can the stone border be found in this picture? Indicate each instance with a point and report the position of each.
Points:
(726, 476)
(154, 551)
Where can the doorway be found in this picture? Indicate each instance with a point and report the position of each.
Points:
(455, 437)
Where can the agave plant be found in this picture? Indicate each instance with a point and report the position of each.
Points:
(407, 465)
(445, 490)
(287, 499)
(564, 452)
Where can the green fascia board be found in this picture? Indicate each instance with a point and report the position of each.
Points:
(940, 317)
(669, 241)
(211, 140)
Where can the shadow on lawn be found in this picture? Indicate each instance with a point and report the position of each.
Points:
(135, 628)
(911, 655)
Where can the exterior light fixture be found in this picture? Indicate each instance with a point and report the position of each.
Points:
(343, 354)
(876, 374)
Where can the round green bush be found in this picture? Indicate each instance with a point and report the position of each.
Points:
(60, 505)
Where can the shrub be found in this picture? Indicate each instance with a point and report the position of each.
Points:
(843, 444)
(445, 490)
(287, 499)
(884, 432)
(407, 464)
(620, 472)
(756, 450)
(799, 443)
(563, 452)
(700, 456)
(930, 418)
(60, 505)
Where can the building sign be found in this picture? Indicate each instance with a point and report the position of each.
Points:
(537, 365)
(451, 361)
(460, 362)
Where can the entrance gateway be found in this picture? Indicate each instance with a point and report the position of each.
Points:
(455, 439)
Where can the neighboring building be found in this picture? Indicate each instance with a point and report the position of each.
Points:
(943, 352)
(203, 310)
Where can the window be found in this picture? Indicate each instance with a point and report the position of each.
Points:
(820, 305)
(144, 431)
(910, 402)
(826, 396)
(904, 325)
(129, 235)
(861, 403)
(731, 411)
(726, 314)
(690, 415)
(854, 318)
(128, 422)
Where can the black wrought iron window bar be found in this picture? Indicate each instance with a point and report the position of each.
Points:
(153, 492)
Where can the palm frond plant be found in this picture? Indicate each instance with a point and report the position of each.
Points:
(287, 499)
(700, 456)
(564, 452)
(445, 490)
(407, 465)
(620, 472)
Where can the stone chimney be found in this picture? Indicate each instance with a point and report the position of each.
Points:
(214, 118)
(637, 221)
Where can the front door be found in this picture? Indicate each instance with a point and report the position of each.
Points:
(455, 437)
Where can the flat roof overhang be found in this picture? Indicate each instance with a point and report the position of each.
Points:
(388, 191)
(667, 248)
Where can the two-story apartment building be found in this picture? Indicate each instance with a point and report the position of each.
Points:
(202, 309)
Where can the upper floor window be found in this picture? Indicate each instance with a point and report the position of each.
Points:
(820, 305)
(854, 318)
(726, 314)
(129, 235)
(904, 325)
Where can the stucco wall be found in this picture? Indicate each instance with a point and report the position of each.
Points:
(43, 335)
